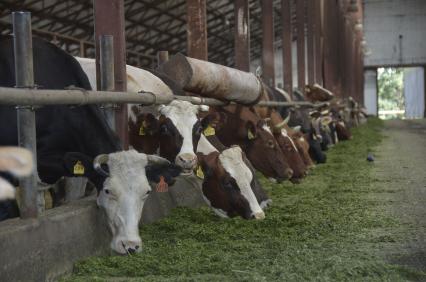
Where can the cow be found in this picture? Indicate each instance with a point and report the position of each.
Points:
(230, 190)
(300, 119)
(240, 125)
(174, 131)
(228, 182)
(77, 141)
(176, 121)
(283, 136)
(15, 161)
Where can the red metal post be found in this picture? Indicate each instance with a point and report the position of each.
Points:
(286, 40)
(109, 20)
(301, 68)
(242, 35)
(311, 43)
(268, 62)
(196, 29)
(318, 41)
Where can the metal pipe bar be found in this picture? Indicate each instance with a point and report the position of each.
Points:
(106, 58)
(76, 96)
(24, 75)
(40, 97)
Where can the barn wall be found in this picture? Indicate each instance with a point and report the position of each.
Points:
(394, 31)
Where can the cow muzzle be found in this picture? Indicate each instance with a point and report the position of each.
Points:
(187, 162)
(259, 215)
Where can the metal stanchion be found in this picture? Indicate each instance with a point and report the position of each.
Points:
(26, 117)
(106, 57)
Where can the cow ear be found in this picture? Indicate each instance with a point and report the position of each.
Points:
(206, 164)
(78, 164)
(169, 172)
(214, 120)
(248, 131)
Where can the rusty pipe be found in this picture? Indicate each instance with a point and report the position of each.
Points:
(213, 80)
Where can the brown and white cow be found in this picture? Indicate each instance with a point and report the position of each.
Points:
(241, 126)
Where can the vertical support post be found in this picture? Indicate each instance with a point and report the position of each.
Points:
(318, 12)
(287, 40)
(106, 64)
(82, 49)
(242, 35)
(24, 75)
(301, 68)
(109, 19)
(162, 57)
(311, 43)
(268, 62)
(197, 29)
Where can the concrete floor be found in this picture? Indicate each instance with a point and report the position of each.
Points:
(401, 166)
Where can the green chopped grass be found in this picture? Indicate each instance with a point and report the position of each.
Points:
(324, 229)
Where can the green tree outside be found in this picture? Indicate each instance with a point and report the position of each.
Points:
(391, 89)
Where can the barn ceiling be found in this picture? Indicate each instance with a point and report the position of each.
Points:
(151, 25)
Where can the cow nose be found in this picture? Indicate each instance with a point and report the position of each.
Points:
(288, 172)
(187, 159)
(131, 251)
(259, 215)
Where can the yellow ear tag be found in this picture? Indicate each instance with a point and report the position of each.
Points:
(250, 135)
(199, 172)
(78, 168)
(209, 131)
(142, 130)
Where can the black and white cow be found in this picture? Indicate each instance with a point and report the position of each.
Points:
(71, 139)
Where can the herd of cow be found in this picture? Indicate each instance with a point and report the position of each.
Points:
(224, 146)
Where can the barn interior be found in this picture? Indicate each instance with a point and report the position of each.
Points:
(371, 53)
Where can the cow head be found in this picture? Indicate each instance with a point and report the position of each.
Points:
(143, 131)
(122, 182)
(342, 131)
(302, 145)
(288, 145)
(244, 128)
(16, 161)
(179, 131)
(315, 150)
(227, 183)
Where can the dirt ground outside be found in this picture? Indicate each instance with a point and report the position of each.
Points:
(400, 168)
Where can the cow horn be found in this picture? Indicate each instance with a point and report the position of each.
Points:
(153, 159)
(297, 128)
(98, 162)
(280, 125)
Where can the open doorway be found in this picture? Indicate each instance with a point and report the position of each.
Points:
(400, 92)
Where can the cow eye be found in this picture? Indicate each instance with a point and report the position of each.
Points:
(271, 144)
(148, 192)
(107, 191)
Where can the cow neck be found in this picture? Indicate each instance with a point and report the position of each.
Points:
(216, 143)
